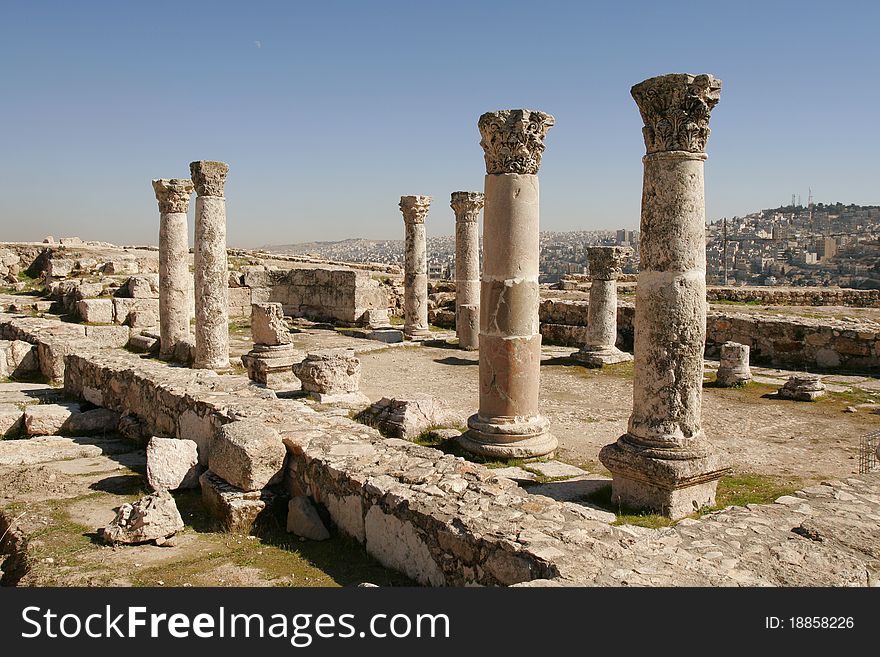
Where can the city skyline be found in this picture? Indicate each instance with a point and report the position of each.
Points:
(327, 115)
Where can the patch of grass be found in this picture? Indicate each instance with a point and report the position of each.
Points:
(742, 489)
(394, 320)
(240, 326)
(851, 396)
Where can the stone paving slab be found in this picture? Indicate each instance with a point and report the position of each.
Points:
(515, 473)
(553, 469)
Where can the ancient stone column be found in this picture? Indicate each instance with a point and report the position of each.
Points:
(271, 360)
(664, 461)
(415, 276)
(508, 424)
(175, 291)
(600, 347)
(211, 275)
(467, 206)
(733, 370)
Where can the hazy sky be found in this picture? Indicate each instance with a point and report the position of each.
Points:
(327, 112)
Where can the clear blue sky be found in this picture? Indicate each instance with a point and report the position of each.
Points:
(328, 111)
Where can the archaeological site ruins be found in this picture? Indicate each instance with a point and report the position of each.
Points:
(220, 416)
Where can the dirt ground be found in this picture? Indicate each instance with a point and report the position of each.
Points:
(590, 408)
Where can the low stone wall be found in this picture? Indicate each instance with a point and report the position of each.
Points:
(797, 296)
(789, 342)
(320, 294)
(445, 521)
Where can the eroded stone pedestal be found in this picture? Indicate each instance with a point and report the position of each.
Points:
(664, 462)
(332, 376)
(734, 367)
(508, 423)
(271, 360)
(803, 387)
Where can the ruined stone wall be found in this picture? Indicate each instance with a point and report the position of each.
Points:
(789, 342)
(797, 296)
(320, 294)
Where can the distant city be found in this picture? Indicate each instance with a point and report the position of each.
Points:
(812, 245)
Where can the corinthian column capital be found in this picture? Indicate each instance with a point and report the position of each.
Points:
(173, 194)
(467, 205)
(513, 140)
(675, 109)
(415, 208)
(209, 177)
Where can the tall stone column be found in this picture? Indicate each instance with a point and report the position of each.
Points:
(508, 424)
(467, 206)
(664, 461)
(211, 271)
(175, 290)
(415, 274)
(600, 347)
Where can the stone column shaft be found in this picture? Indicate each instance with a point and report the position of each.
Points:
(175, 289)
(467, 207)
(415, 277)
(600, 348)
(211, 269)
(664, 461)
(508, 423)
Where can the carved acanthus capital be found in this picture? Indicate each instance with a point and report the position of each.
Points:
(513, 140)
(173, 194)
(415, 208)
(209, 177)
(605, 261)
(675, 109)
(467, 205)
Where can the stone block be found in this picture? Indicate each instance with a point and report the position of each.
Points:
(267, 324)
(239, 301)
(143, 317)
(172, 464)
(97, 422)
(152, 518)
(48, 419)
(110, 335)
(237, 511)
(95, 311)
(409, 417)
(59, 268)
(248, 454)
(142, 287)
(11, 420)
(329, 372)
(303, 519)
(145, 344)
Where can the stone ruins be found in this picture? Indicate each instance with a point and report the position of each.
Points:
(321, 399)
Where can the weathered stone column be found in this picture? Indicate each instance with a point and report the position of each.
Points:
(600, 348)
(733, 370)
(508, 424)
(175, 290)
(467, 206)
(211, 271)
(415, 276)
(664, 461)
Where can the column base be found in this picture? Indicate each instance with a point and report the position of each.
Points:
(525, 438)
(224, 366)
(593, 357)
(416, 333)
(669, 481)
(728, 378)
(272, 365)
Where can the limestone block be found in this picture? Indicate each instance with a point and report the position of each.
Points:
(239, 301)
(803, 387)
(87, 264)
(397, 544)
(153, 517)
(303, 520)
(198, 428)
(248, 454)
(59, 267)
(330, 372)
(48, 419)
(99, 421)
(376, 318)
(132, 428)
(267, 324)
(116, 267)
(17, 358)
(237, 510)
(109, 335)
(11, 420)
(143, 317)
(89, 290)
(409, 417)
(172, 464)
(95, 311)
(144, 344)
(142, 287)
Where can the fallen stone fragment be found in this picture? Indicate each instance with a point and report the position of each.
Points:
(48, 419)
(150, 518)
(329, 372)
(303, 520)
(408, 418)
(803, 387)
(237, 511)
(248, 454)
(11, 420)
(172, 464)
(98, 421)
